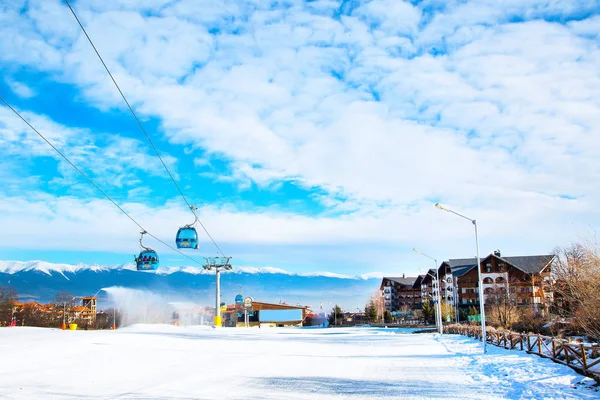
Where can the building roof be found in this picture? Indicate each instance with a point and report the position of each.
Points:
(409, 280)
(527, 264)
(428, 277)
(462, 270)
(406, 281)
(417, 284)
(461, 262)
(258, 305)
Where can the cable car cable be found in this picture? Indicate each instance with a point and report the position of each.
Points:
(141, 126)
(93, 184)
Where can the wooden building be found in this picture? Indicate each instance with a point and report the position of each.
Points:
(523, 279)
(400, 293)
(526, 280)
(262, 314)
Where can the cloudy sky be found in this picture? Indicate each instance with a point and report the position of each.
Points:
(312, 135)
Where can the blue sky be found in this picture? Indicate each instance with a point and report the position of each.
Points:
(311, 135)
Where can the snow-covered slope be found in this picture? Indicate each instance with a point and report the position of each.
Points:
(168, 362)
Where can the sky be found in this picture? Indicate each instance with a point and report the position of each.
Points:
(311, 135)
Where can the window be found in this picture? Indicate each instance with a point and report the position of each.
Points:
(500, 280)
(488, 290)
(488, 267)
(488, 281)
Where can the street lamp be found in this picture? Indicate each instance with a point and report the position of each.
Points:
(382, 301)
(438, 307)
(481, 304)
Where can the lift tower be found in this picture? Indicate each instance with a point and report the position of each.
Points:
(218, 264)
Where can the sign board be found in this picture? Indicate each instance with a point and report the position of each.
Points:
(248, 303)
(280, 315)
(223, 308)
(239, 299)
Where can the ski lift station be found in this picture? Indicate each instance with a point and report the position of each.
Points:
(249, 313)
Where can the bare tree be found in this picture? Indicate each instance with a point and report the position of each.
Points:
(405, 310)
(577, 274)
(7, 297)
(501, 306)
(64, 297)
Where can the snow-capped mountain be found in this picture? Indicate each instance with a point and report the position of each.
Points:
(40, 281)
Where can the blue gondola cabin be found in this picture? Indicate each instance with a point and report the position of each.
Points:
(147, 261)
(187, 238)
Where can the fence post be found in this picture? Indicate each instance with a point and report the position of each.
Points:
(539, 344)
(521, 341)
(553, 349)
(583, 357)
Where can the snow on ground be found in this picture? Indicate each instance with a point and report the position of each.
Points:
(168, 362)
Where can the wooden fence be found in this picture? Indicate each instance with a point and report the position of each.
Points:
(583, 358)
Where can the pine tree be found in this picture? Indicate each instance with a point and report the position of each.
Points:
(335, 317)
(428, 311)
(371, 311)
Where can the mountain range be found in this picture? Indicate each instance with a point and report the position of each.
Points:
(40, 281)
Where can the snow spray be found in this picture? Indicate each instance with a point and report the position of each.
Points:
(138, 306)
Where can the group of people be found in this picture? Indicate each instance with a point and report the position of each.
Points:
(150, 259)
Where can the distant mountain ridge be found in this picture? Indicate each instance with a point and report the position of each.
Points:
(40, 281)
(11, 267)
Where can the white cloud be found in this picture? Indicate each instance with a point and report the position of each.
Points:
(495, 117)
(375, 239)
(108, 158)
(20, 89)
(395, 17)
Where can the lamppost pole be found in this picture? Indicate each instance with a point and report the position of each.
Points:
(480, 290)
(438, 307)
(382, 300)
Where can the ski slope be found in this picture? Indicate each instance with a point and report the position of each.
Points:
(167, 362)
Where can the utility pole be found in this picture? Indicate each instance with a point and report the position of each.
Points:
(217, 263)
